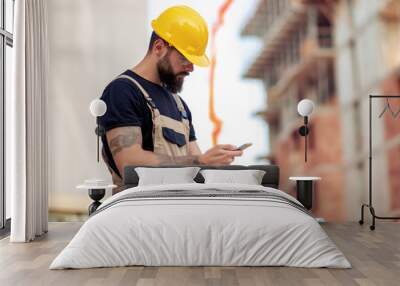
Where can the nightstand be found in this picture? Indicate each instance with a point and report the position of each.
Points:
(96, 190)
(304, 191)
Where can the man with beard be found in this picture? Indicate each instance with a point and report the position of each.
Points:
(146, 122)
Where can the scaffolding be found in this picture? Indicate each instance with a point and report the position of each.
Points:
(297, 57)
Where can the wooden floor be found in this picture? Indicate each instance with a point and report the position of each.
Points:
(375, 257)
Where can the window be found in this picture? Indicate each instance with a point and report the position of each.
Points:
(6, 44)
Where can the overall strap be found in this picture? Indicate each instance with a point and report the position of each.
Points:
(180, 106)
(150, 102)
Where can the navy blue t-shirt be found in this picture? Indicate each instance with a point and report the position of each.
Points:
(126, 106)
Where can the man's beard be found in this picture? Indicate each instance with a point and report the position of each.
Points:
(173, 82)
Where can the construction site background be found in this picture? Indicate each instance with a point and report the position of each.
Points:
(335, 53)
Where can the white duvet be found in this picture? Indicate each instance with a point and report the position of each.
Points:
(200, 231)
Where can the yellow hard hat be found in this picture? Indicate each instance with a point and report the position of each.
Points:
(184, 28)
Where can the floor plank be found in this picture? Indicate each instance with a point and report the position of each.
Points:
(374, 255)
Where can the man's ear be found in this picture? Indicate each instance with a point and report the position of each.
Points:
(160, 48)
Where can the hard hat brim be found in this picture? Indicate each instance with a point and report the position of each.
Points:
(201, 61)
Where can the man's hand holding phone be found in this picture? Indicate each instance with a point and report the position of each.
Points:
(244, 146)
(222, 154)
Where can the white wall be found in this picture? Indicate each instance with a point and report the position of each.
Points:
(91, 42)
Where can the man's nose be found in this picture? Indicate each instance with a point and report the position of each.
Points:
(189, 67)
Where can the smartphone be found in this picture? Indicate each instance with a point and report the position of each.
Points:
(244, 146)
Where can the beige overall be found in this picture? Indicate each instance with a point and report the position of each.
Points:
(161, 144)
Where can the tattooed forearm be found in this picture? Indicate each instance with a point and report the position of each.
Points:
(125, 138)
(180, 160)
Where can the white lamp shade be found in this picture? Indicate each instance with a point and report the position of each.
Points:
(305, 107)
(98, 107)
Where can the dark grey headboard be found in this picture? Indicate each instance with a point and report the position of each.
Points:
(270, 179)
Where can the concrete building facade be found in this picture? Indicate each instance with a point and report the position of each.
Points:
(334, 53)
(367, 40)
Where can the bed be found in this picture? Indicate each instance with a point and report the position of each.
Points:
(201, 224)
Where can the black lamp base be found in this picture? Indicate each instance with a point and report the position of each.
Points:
(304, 130)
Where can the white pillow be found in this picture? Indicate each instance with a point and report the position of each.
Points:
(163, 176)
(248, 177)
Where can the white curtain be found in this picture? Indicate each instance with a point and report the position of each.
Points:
(26, 123)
